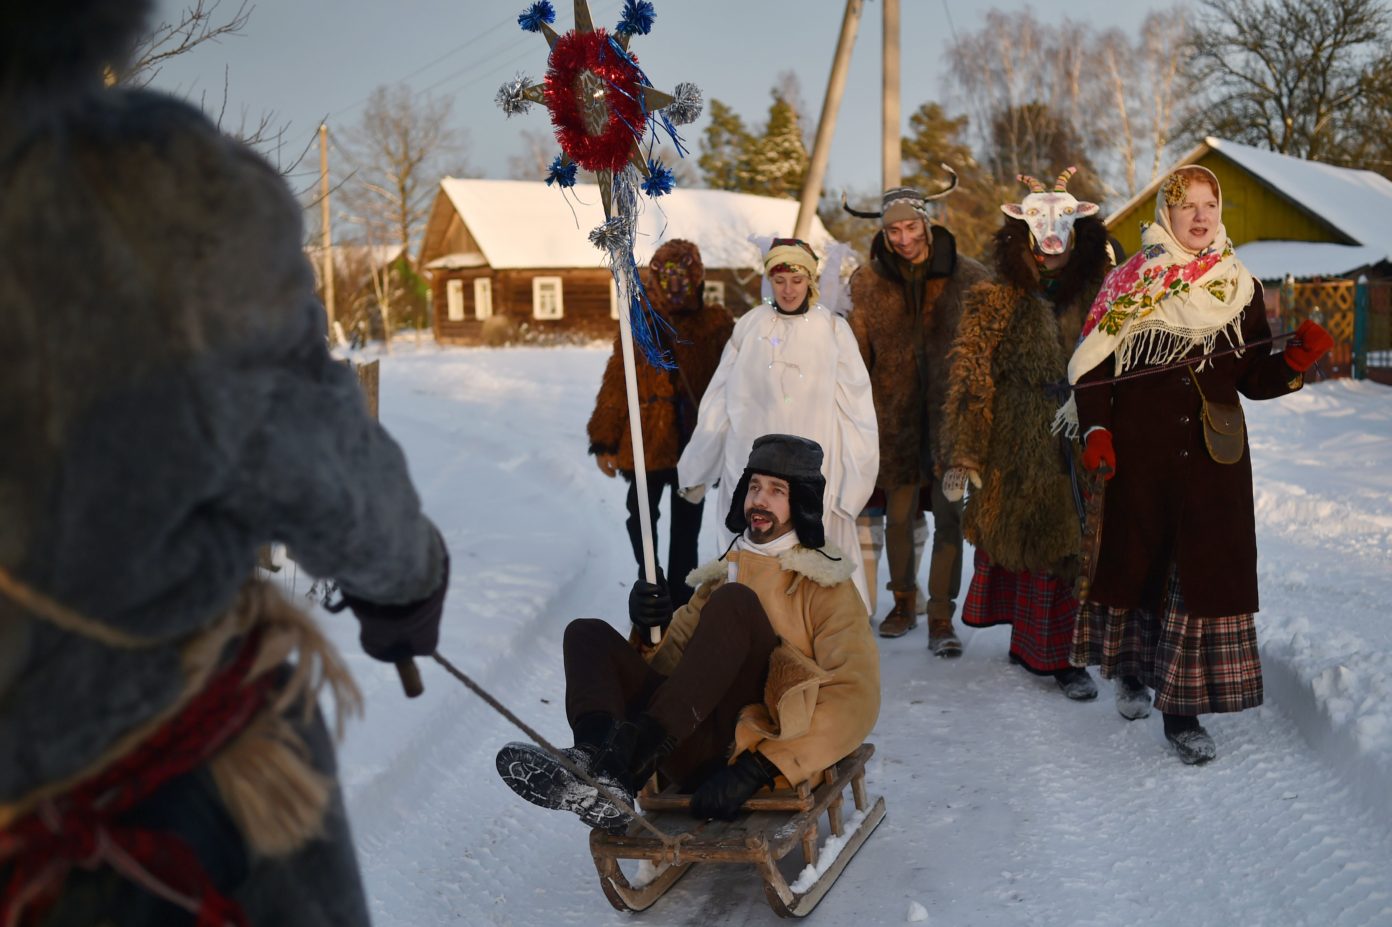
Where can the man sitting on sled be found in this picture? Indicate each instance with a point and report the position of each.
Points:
(769, 671)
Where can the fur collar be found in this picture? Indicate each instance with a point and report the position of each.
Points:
(1084, 270)
(942, 262)
(816, 565)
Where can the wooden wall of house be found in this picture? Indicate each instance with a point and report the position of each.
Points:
(585, 303)
(1252, 211)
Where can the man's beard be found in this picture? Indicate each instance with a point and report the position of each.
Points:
(775, 528)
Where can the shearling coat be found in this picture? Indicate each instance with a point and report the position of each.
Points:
(1169, 501)
(1013, 344)
(823, 691)
(905, 350)
(669, 398)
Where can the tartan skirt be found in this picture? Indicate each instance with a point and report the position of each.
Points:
(1195, 665)
(1040, 609)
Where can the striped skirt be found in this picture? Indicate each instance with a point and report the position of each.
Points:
(1039, 607)
(1195, 665)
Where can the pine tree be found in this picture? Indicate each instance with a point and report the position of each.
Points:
(723, 145)
(775, 163)
(972, 211)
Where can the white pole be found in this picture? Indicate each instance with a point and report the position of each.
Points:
(635, 429)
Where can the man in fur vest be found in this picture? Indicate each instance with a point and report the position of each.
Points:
(668, 400)
(769, 674)
(1016, 336)
(904, 309)
(170, 405)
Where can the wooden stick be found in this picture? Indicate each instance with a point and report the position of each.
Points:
(410, 677)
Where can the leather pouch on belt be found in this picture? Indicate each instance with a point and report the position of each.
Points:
(1222, 431)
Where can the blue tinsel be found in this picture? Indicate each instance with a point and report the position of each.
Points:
(615, 237)
(562, 173)
(660, 179)
(540, 12)
(637, 18)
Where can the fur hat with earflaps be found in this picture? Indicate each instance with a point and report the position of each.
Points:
(797, 460)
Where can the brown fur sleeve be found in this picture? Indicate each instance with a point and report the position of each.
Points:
(611, 407)
(971, 388)
(858, 318)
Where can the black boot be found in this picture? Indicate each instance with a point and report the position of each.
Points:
(543, 780)
(1076, 683)
(1132, 698)
(634, 750)
(1190, 740)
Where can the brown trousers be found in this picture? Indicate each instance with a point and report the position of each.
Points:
(945, 559)
(722, 668)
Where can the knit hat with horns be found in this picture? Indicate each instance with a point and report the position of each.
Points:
(900, 203)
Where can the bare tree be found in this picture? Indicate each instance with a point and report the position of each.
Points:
(539, 148)
(194, 26)
(1164, 40)
(1287, 74)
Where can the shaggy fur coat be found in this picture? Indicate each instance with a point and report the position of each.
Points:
(822, 696)
(905, 350)
(669, 398)
(1013, 343)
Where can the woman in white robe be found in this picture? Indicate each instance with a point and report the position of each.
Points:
(792, 367)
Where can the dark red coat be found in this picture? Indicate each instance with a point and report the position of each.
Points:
(1169, 501)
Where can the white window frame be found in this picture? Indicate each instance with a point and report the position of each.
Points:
(542, 283)
(714, 293)
(483, 298)
(613, 299)
(454, 299)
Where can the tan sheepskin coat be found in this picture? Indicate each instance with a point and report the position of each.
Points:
(669, 398)
(893, 337)
(823, 691)
(1012, 343)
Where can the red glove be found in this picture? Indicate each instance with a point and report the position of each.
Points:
(1097, 452)
(1311, 342)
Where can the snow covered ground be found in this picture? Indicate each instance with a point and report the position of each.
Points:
(1007, 804)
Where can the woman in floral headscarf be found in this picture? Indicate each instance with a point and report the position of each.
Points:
(1175, 590)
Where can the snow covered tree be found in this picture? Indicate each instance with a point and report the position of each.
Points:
(775, 162)
(722, 146)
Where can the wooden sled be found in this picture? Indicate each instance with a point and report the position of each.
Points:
(776, 823)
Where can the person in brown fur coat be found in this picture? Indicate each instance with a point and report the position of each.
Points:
(1015, 338)
(905, 307)
(669, 400)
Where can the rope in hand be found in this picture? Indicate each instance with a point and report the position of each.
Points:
(1065, 387)
(671, 844)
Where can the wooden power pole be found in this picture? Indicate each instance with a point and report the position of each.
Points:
(328, 234)
(826, 124)
(891, 172)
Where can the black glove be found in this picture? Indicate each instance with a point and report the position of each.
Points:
(649, 604)
(395, 632)
(721, 795)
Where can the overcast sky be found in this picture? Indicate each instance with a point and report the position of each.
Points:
(307, 60)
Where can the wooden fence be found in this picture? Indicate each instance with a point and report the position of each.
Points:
(1358, 315)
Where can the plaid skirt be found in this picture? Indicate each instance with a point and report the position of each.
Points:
(1195, 665)
(1040, 609)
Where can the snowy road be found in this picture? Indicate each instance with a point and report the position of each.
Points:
(1006, 803)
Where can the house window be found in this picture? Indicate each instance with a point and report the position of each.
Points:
(613, 299)
(715, 293)
(483, 298)
(454, 299)
(547, 301)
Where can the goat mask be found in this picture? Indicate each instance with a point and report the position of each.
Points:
(1050, 214)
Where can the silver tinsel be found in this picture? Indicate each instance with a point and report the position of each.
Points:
(511, 98)
(613, 237)
(686, 107)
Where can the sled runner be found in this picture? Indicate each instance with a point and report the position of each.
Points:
(774, 824)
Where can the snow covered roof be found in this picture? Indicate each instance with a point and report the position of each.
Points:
(1356, 203)
(1272, 260)
(520, 223)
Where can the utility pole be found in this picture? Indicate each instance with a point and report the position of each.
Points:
(328, 235)
(891, 173)
(826, 124)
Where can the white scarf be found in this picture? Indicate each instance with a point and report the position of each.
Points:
(769, 548)
(1160, 304)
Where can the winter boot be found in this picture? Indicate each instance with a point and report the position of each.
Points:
(539, 777)
(942, 639)
(1076, 683)
(1190, 740)
(902, 619)
(1132, 698)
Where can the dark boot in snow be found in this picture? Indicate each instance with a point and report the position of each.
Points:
(540, 778)
(1076, 683)
(942, 639)
(1190, 740)
(1132, 698)
(903, 618)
